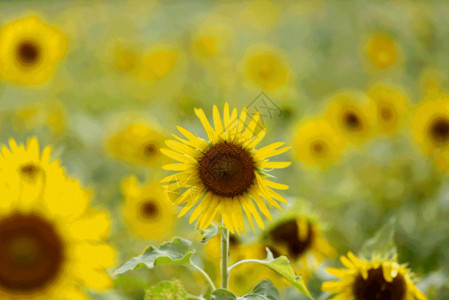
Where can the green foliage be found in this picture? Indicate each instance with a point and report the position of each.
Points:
(382, 243)
(168, 290)
(209, 233)
(176, 252)
(264, 290)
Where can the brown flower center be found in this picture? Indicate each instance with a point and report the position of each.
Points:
(352, 121)
(31, 252)
(385, 113)
(150, 149)
(287, 234)
(149, 209)
(318, 147)
(375, 287)
(439, 130)
(28, 53)
(30, 170)
(226, 169)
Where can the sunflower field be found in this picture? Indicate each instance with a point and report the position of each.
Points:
(224, 150)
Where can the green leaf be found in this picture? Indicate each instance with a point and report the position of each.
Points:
(382, 242)
(168, 290)
(282, 266)
(176, 252)
(209, 233)
(264, 290)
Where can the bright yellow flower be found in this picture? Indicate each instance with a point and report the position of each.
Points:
(137, 144)
(350, 113)
(391, 108)
(318, 144)
(30, 51)
(375, 279)
(148, 211)
(382, 51)
(52, 243)
(225, 174)
(267, 70)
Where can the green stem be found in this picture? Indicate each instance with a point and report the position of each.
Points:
(224, 257)
(245, 261)
(202, 272)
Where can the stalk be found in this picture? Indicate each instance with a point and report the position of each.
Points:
(224, 257)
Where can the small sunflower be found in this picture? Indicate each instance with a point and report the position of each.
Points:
(382, 51)
(351, 114)
(52, 243)
(318, 144)
(148, 211)
(391, 108)
(138, 144)
(267, 69)
(30, 51)
(211, 39)
(157, 63)
(225, 174)
(372, 280)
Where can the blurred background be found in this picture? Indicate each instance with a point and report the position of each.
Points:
(357, 88)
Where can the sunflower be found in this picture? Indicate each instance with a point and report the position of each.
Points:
(267, 69)
(138, 144)
(371, 280)
(318, 144)
(211, 39)
(52, 243)
(351, 114)
(296, 237)
(391, 108)
(226, 173)
(36, 115)
(382, 51)
(148, 211)
(157, 63)
(30, 51)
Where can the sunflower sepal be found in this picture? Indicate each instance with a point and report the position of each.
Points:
(209, 233)
(263, 290)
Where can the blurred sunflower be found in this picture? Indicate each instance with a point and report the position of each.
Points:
(226, 173)
(125, 59)
(372, 280)
(157, 62)
(51, 243)
(430, 125)
(30, 51)
(391, 107)
(211, 39)
(350, 113)
(137, 144)
(297, 237)
(382, 51)
(318, 144)
(267, 69)
(147, 210)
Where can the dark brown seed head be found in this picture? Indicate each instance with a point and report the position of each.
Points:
(149, 209)
(439, 130)
(375, 287)
(30, 170)
(226, 169)
(28, 53)
(352, 121)
(31, 251)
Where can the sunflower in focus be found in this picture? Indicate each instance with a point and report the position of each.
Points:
(137, 144)
(318, 144)
(267, 69)
(391, 108)
(52, 243)
(226, 174)
(382, 51)
(30, 51)
(351, 114)
(147, 210)
(372, 280)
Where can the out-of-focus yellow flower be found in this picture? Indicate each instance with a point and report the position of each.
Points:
(226, 175)
(261, 14)
(138, 144)
(317, 144)
(125, 59)
(51, 114)
(211, 39)
(157, 62)
(382, 51)
(431, 83)
(51, 242)
(30, 51)
(148, 211)
(267, 69)
(350, 113)
(374, 279)
(391, 108)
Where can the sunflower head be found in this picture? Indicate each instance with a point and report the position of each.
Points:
(147, 210)
(157, 62)
(226, 174)
(372, 280)
(318, 144)
(211, 39)
(382, 51)
(30, 51)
